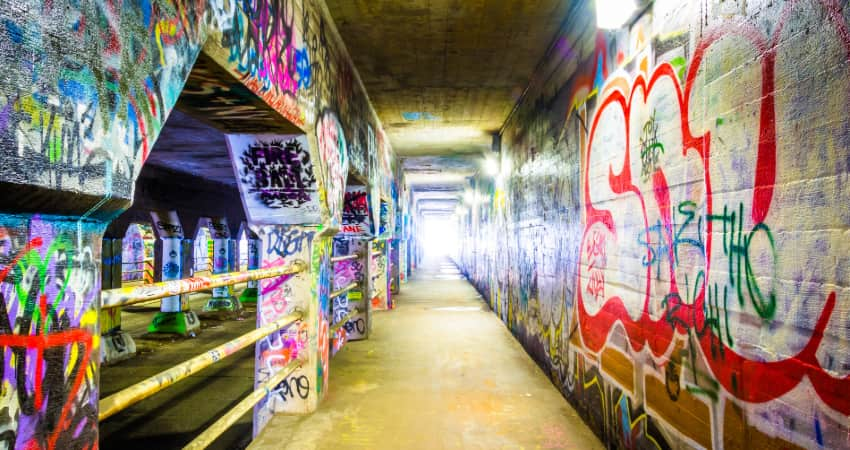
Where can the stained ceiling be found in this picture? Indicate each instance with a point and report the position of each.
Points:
(443, 75)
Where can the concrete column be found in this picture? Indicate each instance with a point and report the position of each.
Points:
(222, 300)
(379, 274)
(117, 344)
(295, 215)
(174, 316)
(404, 268)
(394, 266)
(50, 283)
(306, 292)
(344, 273)
(249, 295)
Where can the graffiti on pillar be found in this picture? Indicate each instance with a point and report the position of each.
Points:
(218, 227)
(137, 254)
(384, 221)
(49, 283)
(280, 246)
(696, 265)
(380, 279)
(353, 270)
(356, 216)
(334, 160)
(321, 267)
(202, 251)
(275, 177)
(394, 266)
(288, 241)
(340, 308)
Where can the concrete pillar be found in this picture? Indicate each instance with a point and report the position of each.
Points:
(394, 266)
(222, 300)
(50, 282)
(117, 344)
(404, 267)
(249, 295)
(380, 296)
(307, 292)
(344, 273)
(174, 316)
(295, 216)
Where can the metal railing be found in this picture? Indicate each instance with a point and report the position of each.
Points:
(335, 327)
(131, 274)
(112, 298)
(345, 258)
(202, 264)
(344, 290)
(145, 388)
(229, 418)
(131, 395)
(135, 393)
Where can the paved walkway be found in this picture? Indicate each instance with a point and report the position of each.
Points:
(439, 372)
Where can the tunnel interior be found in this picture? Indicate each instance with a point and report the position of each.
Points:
(425, 224)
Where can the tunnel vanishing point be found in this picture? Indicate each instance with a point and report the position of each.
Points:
(651, 197)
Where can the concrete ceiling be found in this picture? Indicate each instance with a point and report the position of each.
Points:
(190, 146)
(212, 103)
(443, 75)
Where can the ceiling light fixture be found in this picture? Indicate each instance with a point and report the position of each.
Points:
(613, 14)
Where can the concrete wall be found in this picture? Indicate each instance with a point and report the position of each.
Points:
(669, 238)
(87, 87)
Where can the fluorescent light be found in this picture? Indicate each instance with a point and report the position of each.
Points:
(613, 14)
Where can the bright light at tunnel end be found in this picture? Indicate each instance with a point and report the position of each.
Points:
(441, 236)
(613, 14)
(491, 166)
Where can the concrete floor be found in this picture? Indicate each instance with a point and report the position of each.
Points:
(173, 417)
(439, 372)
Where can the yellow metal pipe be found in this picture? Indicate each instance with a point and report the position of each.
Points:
(345, 258)
(342, 322)
(112, 298)
(144, 389)
(336, 294)
(229, 418)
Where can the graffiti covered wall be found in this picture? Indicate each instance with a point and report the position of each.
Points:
(668, 235)
(87, 89)
(49, 335)
(90, 85)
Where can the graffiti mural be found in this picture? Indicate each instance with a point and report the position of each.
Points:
(277, 298)
(137, 254)
(49, 282)
(334, 155)
(275, 177)
(356, 215)
(345, 273)
(88, 87)
(685, 251)
(379, 272)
